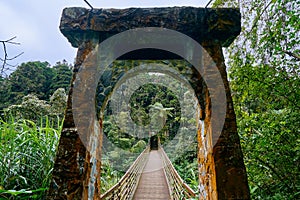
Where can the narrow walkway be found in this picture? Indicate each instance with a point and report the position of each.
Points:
(153, 184)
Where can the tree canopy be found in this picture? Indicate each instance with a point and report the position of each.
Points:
(38, 78)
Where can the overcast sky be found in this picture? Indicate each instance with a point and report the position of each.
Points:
(36, 25)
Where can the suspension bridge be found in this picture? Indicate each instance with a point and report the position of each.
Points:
(151, 176)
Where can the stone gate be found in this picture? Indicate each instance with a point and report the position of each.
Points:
(176, 34)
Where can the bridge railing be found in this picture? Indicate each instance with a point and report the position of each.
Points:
(178, 188)
(127, 185)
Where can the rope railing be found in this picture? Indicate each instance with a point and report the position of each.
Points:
(178, 188)
(127, 185)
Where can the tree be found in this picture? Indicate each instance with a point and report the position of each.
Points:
(4, 94)
(58, 102)
(62, 75)
(159, 115)
(264, 73)
(32, 77)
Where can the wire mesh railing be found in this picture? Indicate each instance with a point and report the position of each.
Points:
(179, 190)
(127, 185)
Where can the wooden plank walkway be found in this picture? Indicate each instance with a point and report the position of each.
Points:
(153, 184)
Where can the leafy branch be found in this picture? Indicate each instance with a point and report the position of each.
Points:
(274, 170)
(297, 57)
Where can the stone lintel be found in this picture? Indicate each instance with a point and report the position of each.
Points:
(218, 26)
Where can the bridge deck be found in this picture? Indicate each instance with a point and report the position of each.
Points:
(152, 184)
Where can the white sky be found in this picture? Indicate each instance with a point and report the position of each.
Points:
(36, 25)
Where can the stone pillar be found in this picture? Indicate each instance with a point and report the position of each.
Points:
(72, 169)
(223, 162)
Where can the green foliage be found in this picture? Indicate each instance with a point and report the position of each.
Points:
(61, 77)
(58, 102)
(27, 152)
(264, 74)
(125, 143)
(109, 176)
(139, 146)
(37, 78)
(187, 168)
(30, 128)
(271, 147)
(31, 77)
(116, 162)
(159, 103)
(4, 96)
(186, 164)
(32, 108)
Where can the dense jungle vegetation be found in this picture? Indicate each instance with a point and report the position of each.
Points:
(264, 73)
(33, 100)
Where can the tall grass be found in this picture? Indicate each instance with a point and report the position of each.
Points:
(27, 152)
